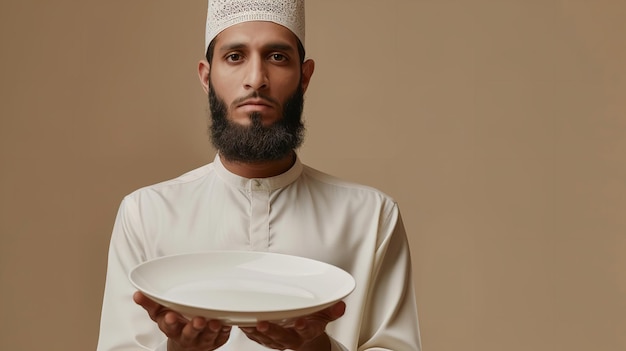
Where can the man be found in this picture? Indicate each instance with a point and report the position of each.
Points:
(258, 196)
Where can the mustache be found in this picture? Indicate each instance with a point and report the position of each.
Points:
(254, 95)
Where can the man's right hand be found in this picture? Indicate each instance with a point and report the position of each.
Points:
(196, 334)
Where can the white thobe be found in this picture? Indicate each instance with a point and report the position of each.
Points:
(301, 212)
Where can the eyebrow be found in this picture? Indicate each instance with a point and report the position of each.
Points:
(270, 46)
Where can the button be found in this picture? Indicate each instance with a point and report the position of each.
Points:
(257, 183)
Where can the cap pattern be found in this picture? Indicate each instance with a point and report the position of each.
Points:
(222, 14)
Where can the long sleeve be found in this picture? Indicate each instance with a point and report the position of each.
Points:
(125, 325)
(381, 314)
(390, 316)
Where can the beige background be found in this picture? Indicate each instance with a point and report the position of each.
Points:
(499, 126)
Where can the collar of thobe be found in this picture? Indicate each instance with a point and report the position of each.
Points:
(268, 184)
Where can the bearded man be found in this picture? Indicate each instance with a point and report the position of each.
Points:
(257, 195)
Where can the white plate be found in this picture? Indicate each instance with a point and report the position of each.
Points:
(242, 287)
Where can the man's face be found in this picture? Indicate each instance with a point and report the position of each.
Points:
(256, 92)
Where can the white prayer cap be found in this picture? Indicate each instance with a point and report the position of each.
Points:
(225, 13)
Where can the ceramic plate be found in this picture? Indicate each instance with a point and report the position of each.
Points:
(242, 287)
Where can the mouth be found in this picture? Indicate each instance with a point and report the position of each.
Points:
(255, 103)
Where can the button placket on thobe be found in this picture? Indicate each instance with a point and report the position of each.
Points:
(259, 192)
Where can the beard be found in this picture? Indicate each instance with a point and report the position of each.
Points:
(255, 142)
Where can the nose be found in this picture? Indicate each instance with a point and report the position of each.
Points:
(256, 75)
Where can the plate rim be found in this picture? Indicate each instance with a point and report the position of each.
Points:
(351, 285)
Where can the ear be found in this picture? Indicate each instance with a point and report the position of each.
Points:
(308, 67)
(203, 73)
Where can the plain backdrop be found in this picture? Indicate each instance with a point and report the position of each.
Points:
(498, 126)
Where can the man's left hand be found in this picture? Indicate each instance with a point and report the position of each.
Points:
(306, 333)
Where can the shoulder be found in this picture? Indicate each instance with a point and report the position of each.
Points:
(183, 183)
(340, 183)
(343, 187)
(356, 202)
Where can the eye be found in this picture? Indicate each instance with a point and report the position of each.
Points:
(278, 57)
(234, 57)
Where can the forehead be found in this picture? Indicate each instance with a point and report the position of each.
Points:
(255, 33)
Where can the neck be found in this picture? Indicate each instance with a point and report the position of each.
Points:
(261, 169)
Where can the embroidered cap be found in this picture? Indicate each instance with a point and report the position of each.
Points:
(222, 14)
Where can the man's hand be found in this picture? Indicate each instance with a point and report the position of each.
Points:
(197, 334)
(306, 333)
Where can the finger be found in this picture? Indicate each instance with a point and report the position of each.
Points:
(324, 316)
(192, 330)
(154, 309)
(216, 331)
(337, 310)
(171, 324)
(265, 341)
(274, 334)
(150, 306)
(222, 335)
(312, 326)
(332, 313)
(212, 330)
(262, 327)
(257, 334)
(309, 329)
